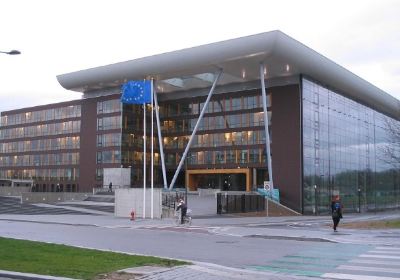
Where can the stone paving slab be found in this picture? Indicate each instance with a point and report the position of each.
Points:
(146, 270)
(204, 271)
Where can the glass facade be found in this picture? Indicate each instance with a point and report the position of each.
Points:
(343, 153)
(132, 144)
(108, 137)
(42, 145)
(72, 111)
(230, 135)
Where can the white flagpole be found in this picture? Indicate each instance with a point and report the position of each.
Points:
(144, 160)
(152, 151)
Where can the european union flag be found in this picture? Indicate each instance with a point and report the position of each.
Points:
(136, 92)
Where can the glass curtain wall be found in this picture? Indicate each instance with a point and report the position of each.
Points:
(230, 135)
(344, 154)
(132, 144)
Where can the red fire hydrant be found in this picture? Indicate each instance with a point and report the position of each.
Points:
(132, 215)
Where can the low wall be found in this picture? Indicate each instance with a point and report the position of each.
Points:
(51, 197)
(127, 200)
(205, 192)
(13, 191)
(168, 212)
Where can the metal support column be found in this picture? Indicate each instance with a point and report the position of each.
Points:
(152, 153)
(267, 140)
(160, 141)
(195, 130)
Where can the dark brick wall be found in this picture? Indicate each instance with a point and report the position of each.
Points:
(87, 158)
(286, 144)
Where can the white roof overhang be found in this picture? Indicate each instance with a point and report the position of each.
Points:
(239, 58)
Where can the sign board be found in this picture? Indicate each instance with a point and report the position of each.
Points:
(267, 186)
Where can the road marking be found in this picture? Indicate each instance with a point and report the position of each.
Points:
(386, 262)
(356, 277)
(216, 272)
(380, 256)
(368, 268)
(298, 272)
(388, 248)
(385, 252)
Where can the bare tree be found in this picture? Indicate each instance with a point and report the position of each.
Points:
(391, 150)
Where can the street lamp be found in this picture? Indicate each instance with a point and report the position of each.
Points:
(12, 52)
(186, 183)
(315, 200)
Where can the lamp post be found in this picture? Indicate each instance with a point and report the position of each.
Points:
(186, 183)
(315, 200)
(12, 52)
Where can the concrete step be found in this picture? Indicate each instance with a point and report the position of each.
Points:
(101, 198)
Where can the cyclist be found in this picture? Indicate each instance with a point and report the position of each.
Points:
(183, 208)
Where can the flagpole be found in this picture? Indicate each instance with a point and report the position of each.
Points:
(152, 152)
(144, 160)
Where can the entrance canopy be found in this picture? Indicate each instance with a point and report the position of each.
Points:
(195, 68)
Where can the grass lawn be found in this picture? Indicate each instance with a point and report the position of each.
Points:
(67, 261)
(373, 224)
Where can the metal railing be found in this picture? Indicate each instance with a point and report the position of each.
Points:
(170, 198)
(239, 203)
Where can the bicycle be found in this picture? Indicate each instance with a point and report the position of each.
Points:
(187, 220)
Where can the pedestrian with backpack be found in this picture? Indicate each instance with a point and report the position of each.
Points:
(336, 207)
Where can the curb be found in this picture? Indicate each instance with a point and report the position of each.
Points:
(30, 276)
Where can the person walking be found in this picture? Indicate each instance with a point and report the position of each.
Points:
(336, 207)
(183, 208)
(110, 187)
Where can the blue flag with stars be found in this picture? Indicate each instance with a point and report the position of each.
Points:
(136, 92)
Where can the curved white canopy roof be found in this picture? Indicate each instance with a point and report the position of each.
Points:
(239, 58)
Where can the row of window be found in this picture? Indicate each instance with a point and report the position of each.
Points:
(135, 157)
(243, 156)
(109, 106)
(54, 174)
(135, 122)
(217, 139)
(113, 156)
(109, 140)
(217, 122)
(107, 123)
(135, 140)
(41, 145)
(217, 104)
(41, 130)
(72, 111)
(40, 159)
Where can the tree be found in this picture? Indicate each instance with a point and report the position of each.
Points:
(391, 150)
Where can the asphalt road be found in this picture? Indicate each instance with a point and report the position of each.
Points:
(293, 246)
(193, 244)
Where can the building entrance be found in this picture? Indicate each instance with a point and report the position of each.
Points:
(222, 179)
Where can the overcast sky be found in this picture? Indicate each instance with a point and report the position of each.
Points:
(56, 37)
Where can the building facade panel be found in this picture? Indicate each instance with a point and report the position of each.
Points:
(343, 152)
(286, 145)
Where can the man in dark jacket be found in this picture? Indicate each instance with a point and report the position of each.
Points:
(183, 208)
(336, 207)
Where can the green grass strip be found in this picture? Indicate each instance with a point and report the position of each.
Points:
(66, 261)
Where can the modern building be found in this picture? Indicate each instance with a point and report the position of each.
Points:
(326, 126)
